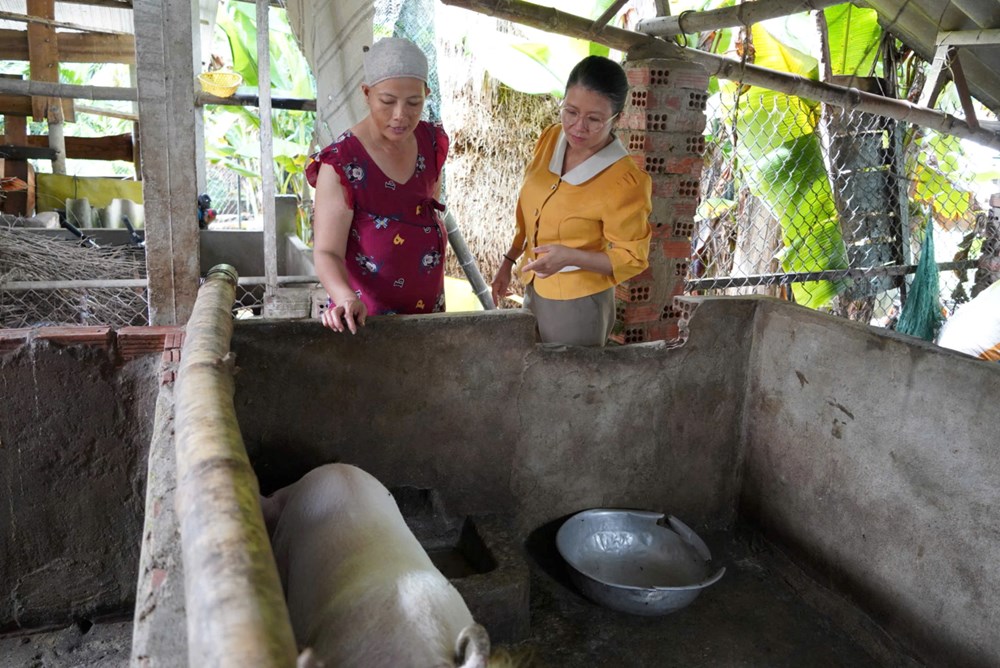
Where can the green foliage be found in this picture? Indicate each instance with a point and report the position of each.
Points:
(854, 36)
(540, 63)
(781, 161)
(232, 133)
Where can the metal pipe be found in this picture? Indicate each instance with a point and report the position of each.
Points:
(468, 262)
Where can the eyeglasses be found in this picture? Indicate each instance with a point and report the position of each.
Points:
(590, 123)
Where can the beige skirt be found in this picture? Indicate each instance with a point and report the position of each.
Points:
(585, 321)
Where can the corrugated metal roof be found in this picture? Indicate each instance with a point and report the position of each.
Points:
(107, 18)
(917, 23)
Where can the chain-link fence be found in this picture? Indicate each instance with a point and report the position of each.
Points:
(829, 208)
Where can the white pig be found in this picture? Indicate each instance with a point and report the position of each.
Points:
(361, 591)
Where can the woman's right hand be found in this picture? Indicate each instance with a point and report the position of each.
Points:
(501, 282)
(351, 313)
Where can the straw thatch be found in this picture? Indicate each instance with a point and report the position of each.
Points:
(493, 133)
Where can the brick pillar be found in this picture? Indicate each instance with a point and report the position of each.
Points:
(661, 126)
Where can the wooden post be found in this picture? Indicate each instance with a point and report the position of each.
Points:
(266, 151)
(236, 614)
(166, 103)
(43, 54)
(57, 139)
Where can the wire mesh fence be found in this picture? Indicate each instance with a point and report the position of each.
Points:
(828, 208)
(47, 280)
(235, 198)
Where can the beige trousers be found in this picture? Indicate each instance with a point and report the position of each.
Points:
(586, 321)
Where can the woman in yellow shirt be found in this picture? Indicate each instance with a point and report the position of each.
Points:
(582, 214)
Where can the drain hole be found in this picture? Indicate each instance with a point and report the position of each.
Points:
(84, 625)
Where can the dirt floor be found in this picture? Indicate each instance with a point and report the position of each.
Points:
(102, 645)
(752, 617)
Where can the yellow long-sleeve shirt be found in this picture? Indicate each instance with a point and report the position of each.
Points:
(601, 205)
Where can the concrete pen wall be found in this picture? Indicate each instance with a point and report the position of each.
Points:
(470, 406)
(875, 459)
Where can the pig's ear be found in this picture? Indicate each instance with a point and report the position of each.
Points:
(307, 659)
(472, 649)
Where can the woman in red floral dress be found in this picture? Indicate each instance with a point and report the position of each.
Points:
(378, 239)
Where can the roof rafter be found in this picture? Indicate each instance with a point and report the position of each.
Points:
(744, 14)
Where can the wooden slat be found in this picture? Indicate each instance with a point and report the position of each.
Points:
(73, 47)
(27, 153)
(962, 86)
(112, 147)
(15, 105)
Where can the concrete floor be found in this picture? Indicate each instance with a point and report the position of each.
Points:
(752, 617)
(755, 616)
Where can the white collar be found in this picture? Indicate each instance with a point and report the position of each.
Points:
(590, 167)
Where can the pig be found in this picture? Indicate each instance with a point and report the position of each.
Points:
(360, 589)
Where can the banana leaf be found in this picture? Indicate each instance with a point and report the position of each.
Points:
(854, 36)
(781, 162)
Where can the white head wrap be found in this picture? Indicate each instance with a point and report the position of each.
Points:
(394, 57)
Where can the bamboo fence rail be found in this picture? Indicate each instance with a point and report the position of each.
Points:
(743, 14)
(236, 614)
(639, 45)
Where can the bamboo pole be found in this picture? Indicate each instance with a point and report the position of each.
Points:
(110, 113)
(745, 14)
(638, 45)
(236, 615)
(70, 91)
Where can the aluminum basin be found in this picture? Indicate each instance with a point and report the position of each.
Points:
(626, 560)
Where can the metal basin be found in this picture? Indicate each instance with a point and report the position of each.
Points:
(627, 561)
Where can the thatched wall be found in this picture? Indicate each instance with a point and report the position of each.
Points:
(493, 131)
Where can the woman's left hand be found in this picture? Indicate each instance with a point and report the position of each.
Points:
(551, 259)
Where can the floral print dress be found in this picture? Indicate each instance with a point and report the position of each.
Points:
(395, 249)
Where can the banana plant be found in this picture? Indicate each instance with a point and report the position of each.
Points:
(538, 62)
(232, 132)
(780, 161)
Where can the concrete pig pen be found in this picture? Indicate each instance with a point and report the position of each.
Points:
(848, 478)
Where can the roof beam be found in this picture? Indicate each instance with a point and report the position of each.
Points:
(639, 45)
(745, 14)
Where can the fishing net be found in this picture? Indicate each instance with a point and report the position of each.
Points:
(921, 316)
